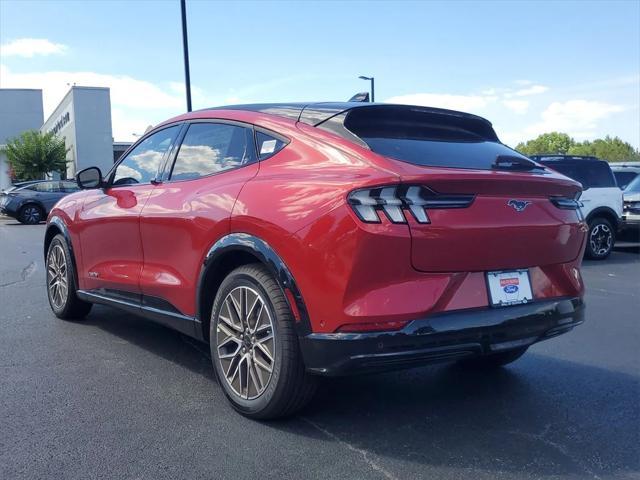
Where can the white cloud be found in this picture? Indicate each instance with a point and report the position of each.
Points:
(29, 47)
(576, 115)
(465, 103)
(525, 92)
(579, 118)
(135, 102)
(517, 106)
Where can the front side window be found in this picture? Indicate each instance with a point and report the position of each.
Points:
(210, 148)
(70, 186)
(142, 163)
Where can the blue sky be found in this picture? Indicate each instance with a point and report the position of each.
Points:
(529, 67)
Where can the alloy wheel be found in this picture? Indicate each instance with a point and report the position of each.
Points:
(57, 276)
(245, 342)
(601, 239)
(32, 214)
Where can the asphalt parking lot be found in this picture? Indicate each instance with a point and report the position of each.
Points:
(119, 397)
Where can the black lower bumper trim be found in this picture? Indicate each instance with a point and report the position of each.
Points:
(440, 337)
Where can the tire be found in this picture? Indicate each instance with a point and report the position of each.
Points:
(30, 214)
(61, 286)
(600, 239)
(252, 332)
(493, 360)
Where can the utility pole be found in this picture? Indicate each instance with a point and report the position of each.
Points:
(185, 49)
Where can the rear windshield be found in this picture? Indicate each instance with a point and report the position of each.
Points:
(589, 173)
(624, 178)
(427, 138)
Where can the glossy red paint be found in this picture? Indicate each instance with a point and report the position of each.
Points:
(152, 239)
(109, 237)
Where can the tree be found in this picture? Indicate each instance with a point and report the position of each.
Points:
(607, 148)
(33, 154)
(554, 142)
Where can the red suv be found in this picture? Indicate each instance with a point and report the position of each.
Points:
(301, 240)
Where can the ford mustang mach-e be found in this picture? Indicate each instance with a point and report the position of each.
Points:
(301, 240)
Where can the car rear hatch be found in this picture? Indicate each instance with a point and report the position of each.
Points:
(487, 207)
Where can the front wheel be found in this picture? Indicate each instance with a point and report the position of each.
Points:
(61, 286)
(600, 239)
(254, 347)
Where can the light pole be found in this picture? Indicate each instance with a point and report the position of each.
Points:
(371, 79)
(185, 50)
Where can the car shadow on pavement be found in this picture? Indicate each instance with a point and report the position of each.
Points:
(157, 339)
(541, 415)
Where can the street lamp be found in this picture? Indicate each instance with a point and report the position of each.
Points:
(371, 79)
(185, 52)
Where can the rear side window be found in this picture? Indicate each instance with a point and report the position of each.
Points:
(591, 174)
(428, 138)
(268, 145)
(210, 148)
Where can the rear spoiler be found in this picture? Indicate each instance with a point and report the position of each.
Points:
(366, 115)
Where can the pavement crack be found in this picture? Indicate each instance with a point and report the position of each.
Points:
(363, 453)
(25, 273)
(542, 438)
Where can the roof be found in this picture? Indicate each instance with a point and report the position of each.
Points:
(625, 164)
(315, 113)
(551, 157)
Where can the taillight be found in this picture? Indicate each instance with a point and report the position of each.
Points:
(566, 203)
(395, 200)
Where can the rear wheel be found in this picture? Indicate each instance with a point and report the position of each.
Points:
(600, 239)
(61, 286)
(254, 347)
(30, 214)
(493, 360)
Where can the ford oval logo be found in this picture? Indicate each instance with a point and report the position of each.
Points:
(510, 289)
(518, 205)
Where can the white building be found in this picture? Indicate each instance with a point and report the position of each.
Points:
(83, 119)
(20, 110)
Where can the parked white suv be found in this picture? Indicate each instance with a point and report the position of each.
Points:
(601, 198)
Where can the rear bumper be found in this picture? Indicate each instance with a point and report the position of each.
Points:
(441, 337)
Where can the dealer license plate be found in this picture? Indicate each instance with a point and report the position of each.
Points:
(511, 287)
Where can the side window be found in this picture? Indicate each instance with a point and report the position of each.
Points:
(141, 164)
(47, 187)
(212, 148)
(70, 186)
(268, 145)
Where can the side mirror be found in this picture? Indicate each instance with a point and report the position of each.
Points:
(89, 178)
